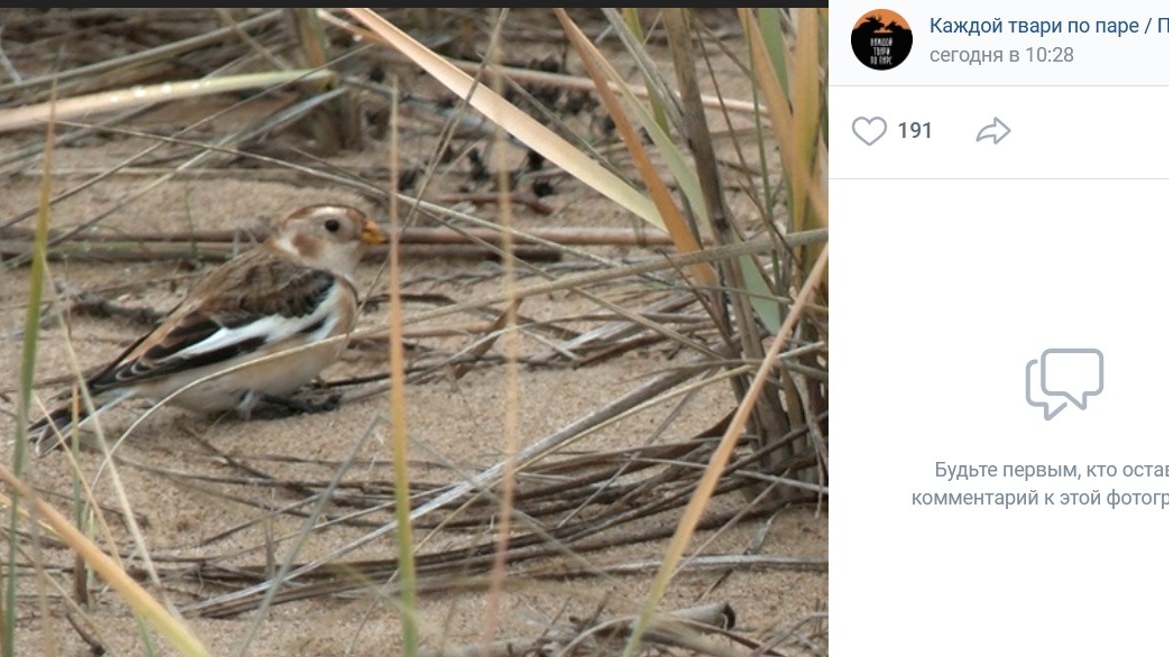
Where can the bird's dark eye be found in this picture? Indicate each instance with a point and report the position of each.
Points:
(332, 225)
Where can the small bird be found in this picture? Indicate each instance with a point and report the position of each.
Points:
(295, 289)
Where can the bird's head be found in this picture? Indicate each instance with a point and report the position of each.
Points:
(328, 237)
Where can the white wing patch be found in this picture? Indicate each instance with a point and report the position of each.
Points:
(273, 328)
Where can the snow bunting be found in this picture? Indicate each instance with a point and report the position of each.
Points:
(294, 289)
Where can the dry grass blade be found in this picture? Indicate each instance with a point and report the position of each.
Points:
(507, 328)
(658, 131)
(412, 235)
(487, 478)
(503, 113)
(675, 630)
(768, 418)
(169, 626)
(74, 108)
(581, 280)
(301, 539)
(806, 96)
(206, 152)
(718, 461)
(466, 568)
(558, 79)
(684, 238)
(783, 122)
(399, 442)
(111, 250)
(162, 53)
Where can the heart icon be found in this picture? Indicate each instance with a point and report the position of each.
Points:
(869, 130)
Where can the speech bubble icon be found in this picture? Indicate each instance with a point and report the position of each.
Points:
(1075, 374)
(1036, 396)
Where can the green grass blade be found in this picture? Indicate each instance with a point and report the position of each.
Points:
(28, 363)
(771, 25)
(633, 23)
(399, 440)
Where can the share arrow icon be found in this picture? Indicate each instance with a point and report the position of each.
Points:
(995, 131)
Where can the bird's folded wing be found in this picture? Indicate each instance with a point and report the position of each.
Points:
(262, 303)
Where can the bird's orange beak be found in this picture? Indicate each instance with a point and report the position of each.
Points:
(371, 233)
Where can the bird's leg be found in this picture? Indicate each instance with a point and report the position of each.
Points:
(292, 406)
(278, 406)
(247, 402)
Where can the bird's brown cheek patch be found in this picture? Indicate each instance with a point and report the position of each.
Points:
(307, 246)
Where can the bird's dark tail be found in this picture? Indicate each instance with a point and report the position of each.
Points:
(46, 433)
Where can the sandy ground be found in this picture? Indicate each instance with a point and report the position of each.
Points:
(201, 488)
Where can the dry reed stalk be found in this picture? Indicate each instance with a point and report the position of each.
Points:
(142, 251)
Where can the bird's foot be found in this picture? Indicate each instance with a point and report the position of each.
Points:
(275, 407)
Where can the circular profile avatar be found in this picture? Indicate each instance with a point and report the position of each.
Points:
(881, 39)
